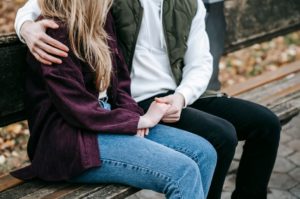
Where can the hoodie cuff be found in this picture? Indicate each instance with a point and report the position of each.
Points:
(187, 95)
(19, 23)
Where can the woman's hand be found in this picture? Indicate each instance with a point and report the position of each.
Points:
(44, 48)
(142, 132)
(153, 116)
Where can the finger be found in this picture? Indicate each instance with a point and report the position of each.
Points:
(56, 44)
(47, 23)
(41, 59)
(137, 135)
(175, 115)
(47, 57)
(164, 106)
(162, 100)
(147, 132)
(140, 133)
(172, 111)
(170, 120)
(51, 50)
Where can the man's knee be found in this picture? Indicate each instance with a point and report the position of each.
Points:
(226, 137)
(269, 127)
(272, 122)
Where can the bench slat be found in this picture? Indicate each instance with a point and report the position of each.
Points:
(22, 190)
(8, 181)
(47, 190)
(263, 79)
(282, 97)
(44, 190)
(292, 89)
(62, 192)
(262, 93)
(113, 192)
(83, 191)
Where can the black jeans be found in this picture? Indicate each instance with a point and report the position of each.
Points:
(223, 121)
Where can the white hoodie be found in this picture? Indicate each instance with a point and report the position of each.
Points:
(151, 72)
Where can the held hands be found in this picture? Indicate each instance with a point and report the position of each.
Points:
(176, 102)
(44, 48)
(168, 109)
(153, 116)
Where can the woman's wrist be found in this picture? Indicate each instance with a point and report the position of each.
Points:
(144, 122)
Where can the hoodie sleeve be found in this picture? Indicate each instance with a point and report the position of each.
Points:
(198, 60)
(124, 98)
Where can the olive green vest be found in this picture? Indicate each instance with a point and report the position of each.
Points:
(177, 21)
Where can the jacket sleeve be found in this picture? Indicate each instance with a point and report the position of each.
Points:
(80, 108)
(124, 98)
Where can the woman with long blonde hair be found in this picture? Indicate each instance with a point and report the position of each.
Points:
(84, 125)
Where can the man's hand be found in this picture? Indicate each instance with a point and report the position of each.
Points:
(43, 47)
(177, 103)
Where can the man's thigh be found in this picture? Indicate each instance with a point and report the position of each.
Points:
(213, 128)
(244, 115)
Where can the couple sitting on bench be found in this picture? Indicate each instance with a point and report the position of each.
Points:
(87, 58)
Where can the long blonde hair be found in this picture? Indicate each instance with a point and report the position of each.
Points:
(85, 20)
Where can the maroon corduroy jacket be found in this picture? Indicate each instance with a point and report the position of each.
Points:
(64, 115)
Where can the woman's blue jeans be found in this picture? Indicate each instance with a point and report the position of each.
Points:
(170, 161)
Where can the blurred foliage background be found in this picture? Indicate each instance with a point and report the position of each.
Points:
(234, 68)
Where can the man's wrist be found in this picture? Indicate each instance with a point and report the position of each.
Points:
(23, 31)
(181, 99)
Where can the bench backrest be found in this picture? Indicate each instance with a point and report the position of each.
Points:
(12, 67)
(248, 22)
(254, 21)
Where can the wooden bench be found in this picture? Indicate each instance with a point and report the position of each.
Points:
(278, 90)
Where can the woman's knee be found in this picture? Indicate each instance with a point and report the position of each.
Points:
(185, 181)
(184, 166)
(205, 153)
